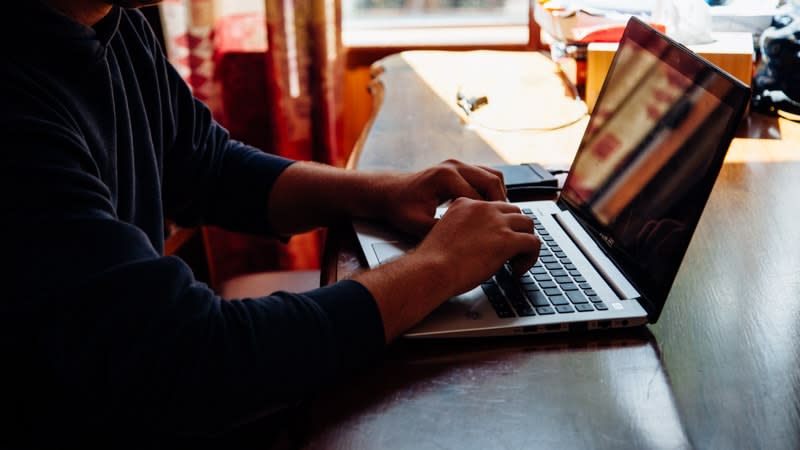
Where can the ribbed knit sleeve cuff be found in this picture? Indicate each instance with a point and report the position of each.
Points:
(355, 319)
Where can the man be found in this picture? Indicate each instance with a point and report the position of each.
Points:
(105, 339)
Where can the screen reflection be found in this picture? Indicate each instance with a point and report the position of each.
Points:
(648, 160)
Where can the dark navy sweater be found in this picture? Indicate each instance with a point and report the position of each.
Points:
(100, 334)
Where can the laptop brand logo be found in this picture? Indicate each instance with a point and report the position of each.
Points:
(607, 239)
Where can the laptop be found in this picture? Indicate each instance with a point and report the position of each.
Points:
(614, 240)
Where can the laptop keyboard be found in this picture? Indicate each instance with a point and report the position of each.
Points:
(552, 286)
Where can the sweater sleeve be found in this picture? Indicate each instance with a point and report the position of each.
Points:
(100, 333)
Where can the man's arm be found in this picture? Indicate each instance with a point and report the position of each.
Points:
(103, 336)
(308, 195)
(466, 247)
(475, 237)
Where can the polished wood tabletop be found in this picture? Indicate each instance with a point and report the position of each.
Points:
(720, 369)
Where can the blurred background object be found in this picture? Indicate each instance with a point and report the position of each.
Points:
(271, 71)
(569, 27)
(776, 85)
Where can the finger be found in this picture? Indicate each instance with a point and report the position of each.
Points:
(520, 223)
(498, 174)
(492, 170)
(487, 183)
(452, 185)
(507, 208)
(522, 262)
(529, 246)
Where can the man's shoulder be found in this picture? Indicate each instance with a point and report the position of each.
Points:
(138, 20)
(134, 23)
(34, 107)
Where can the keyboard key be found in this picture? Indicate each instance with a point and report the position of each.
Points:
(508, 282)
(547, 259)
(492, 291)
(565, 261)
(553, 266)
(537, 270)
(570, 267)
(514, 296)
(558, 273)
(580, 280)
(545, 252)
(558, 300)
(555, 248)
(521, 306)
(542, 277)
(574, 272)
(585, 285)
(530, 288)
(595, 299)
(526, 279)
(502, 276)
(564, 309)
(504, 313)
(584, 307)
(560, 255)
(544, 310)
(538, 298)
(601, 306)
(548, 238)
(527, 211)
(531, 293)
(500, 306)
(590, 292)
(543, 232)
(562, 280)
(547, 284)
(524, 311)
(551, 292)
(497, 300)
(576, 297)
(569, 287)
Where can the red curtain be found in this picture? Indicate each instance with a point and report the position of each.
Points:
(275, 83)
(305, 75)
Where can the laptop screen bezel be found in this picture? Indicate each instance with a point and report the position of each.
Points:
(686, 62)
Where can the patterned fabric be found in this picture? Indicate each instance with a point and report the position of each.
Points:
(189, 36)
(283, 97)
(305, 73)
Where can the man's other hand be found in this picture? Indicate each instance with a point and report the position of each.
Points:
(466, 247)
(475, 238)
(411, 199)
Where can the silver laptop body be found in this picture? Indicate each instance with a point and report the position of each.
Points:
(614, 240)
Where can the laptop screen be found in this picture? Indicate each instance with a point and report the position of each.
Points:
(650, 155)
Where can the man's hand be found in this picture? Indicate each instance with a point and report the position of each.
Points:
(477, 235)
(409, 201)
(308, 195)
(466, 247)
(477, 238)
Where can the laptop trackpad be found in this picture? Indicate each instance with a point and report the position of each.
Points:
(387, 251)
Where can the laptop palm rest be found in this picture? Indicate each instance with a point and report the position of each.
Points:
(387, 251)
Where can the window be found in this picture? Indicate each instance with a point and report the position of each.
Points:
(434, 22)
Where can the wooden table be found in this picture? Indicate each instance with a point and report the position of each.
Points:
(721, 368)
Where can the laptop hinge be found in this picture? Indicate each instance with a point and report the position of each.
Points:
(604, 266)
